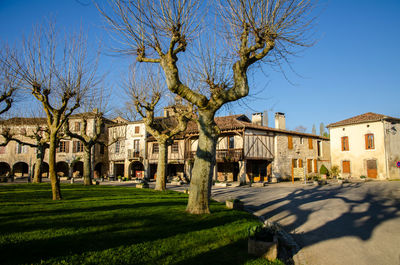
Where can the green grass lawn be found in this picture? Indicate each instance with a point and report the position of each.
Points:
(116, 225)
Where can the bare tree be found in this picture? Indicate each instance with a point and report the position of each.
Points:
(146, 94)
(257, 32)
(301, 129)
(94, 105)
(89, 138)
(8, 84)
(37, 138)
(58, 73)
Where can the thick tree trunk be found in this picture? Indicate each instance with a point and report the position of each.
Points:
(200, 185)
(55, 183)
(37, 177)
(162, 166)
(87, 155)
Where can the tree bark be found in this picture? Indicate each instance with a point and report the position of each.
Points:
(87, 157)
(162, 166)
(200, 185)
(55, 183)
(37, 177)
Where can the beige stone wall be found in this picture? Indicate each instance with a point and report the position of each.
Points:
(357, 154)
(392, 148)
(283, 156)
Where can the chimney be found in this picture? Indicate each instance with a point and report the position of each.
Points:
(265, 118)
(280, 122)
(257, 118)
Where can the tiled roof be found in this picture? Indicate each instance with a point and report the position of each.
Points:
(366, 117)
(224, 123)
(23, 121)
(242, 122)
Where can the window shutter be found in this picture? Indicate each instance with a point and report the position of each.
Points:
(310, 144)
(74, 147)
(366, 141)
(343, 144)
(315, 166)
(290, 142)
(66, 147)
(300, 163)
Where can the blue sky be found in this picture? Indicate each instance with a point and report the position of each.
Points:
(353, 68)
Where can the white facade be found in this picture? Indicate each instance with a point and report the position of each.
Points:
(360, 155)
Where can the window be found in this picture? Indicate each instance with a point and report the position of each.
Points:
(310, 143)
(155, 148)
(319, 147)
(346, 166)
(21, 149)
(117, 146)
(136, 145)
(290, 142)
(175, 148)
(63, 147)
(77, 126)
(369, 141)
(301, 140)
(309, 165)
(345, 143)
(137, 129)
(2, 149)
(77, 147)
(102, 128)
(294, 163)
(102, 148)
(231, 142)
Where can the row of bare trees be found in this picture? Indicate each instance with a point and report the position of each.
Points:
(62, 76)
(247, 34)
(215, 44)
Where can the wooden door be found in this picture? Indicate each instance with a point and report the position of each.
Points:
(346, 167)
(372, 171)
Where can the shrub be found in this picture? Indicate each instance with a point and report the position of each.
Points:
(335, 171)
(323, 170)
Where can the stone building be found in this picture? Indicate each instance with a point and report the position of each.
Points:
(249, 151)
(127, 150)
(17, 159)
(366, 145)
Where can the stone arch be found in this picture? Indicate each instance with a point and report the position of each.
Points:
(45, 169)
(136, 170)
(20, 169)
(98, 170)
(62, 169)
(77, 169)
(4, 169)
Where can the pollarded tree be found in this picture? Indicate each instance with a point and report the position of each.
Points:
(58, 73)
(9, 84)
(38, 139)
(89, 137)
(146, 94)
(255, 32)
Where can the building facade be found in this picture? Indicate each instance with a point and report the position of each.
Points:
(366, 145)
(18, 159)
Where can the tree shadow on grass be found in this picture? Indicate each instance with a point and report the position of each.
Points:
(78, 230)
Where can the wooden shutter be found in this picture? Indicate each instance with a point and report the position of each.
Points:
(309, 166)
(315, 166)
(66, 147)
(310, 144)
(290, 142)
(74, 146)
(136, 129)
(300, 163)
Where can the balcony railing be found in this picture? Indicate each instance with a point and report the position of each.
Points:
(224, 155)
(135, 155)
